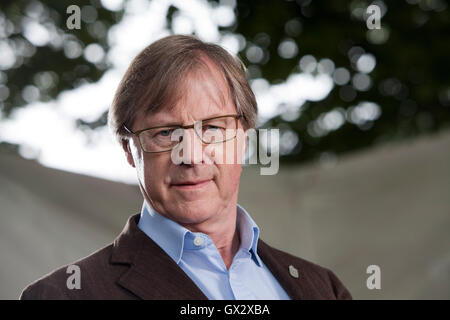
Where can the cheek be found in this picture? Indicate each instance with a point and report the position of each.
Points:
(230, 152)
(153, 174)
(229, 175)
(140, 169)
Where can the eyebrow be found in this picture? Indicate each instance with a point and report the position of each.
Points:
(173, 124)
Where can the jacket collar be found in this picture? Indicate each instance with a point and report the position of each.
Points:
(152, 274)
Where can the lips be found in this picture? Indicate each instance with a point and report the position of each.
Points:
(191, 184)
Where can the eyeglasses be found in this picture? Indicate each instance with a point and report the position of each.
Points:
(165, 138)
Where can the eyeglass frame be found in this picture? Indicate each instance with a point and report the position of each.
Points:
(138, 133)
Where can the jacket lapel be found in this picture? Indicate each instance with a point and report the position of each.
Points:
(152, 273)
(279, 267)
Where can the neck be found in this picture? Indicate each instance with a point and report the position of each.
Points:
(228, 250)
(222, 231)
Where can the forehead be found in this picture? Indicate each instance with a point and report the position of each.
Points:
(205, 94)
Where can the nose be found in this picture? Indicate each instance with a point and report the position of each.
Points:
(192, 145)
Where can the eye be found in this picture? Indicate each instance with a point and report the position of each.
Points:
(210, 127)
(164, 133)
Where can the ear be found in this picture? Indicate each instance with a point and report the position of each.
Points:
(126, 148)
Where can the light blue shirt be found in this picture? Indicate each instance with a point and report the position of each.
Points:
(248, 278)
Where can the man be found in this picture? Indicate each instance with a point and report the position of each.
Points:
(185, 98)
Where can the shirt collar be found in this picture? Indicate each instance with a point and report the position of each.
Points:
(249, 233)
(171, 236)
(168, 234)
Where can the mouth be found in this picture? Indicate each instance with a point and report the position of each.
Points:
(187, 185)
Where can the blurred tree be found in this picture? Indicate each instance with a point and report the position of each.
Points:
(402, 69)
(41, 57)
(388, 84)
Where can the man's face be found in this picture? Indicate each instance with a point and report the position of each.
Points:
(168, 187)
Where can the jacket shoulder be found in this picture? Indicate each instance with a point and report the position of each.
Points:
(318, 281)
(61, 283)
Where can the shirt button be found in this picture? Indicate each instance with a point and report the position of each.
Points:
(198, 241)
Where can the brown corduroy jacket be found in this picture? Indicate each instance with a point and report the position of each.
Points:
(135, 267)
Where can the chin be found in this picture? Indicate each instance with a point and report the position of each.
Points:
(194, 211)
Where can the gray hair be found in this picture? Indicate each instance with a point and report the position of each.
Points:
(155, 75)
